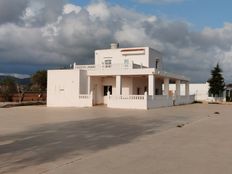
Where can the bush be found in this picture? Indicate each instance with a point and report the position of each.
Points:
(8, 87)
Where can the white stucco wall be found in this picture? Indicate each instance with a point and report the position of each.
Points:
(141, 83)
(159, 101)
(127, 85)
(200, 90)
(183, 100)
(118, 57)
(96, 87)
(63, 87)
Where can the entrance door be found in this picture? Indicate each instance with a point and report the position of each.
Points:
(106, 89)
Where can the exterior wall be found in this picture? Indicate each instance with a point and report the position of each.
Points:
(141, 83)
(97, 89)
(127, 85)
(63, 88)
(200, 90)
(118, 57)
(159, 101)
(183, 100)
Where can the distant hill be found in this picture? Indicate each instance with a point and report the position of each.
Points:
(24, 81)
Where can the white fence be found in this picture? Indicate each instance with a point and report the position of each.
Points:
(128, 102)
(85, 100)
(147, 102)
(128, 97)
(182, 100)
(158, 101)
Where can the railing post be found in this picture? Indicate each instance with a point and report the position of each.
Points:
(145, 95)
(145, 100)
(166, 86)
(91, 96)
(108, 95)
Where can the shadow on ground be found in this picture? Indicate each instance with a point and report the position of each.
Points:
(51, 142)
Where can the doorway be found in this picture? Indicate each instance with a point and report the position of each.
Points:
(106, 88)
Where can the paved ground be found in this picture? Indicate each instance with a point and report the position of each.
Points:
(98, 140)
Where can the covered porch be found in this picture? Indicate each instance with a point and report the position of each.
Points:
(144, 91)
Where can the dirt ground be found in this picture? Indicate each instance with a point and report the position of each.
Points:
(177, 140)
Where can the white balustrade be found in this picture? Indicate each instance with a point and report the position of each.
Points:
(127, 97)
(106, 67)
(85, 100)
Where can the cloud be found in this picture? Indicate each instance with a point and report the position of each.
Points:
(69, 8)
(53, 34)
(11, 10)
(40, 12)
(159, 1)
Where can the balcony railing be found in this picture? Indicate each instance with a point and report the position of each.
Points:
(127, 97)
(109, 66)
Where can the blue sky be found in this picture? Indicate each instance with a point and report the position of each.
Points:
(200, 13)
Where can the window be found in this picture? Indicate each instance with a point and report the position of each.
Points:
(107, 63)
(106, 89)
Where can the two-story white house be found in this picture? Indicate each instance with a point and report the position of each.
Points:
(120, 78)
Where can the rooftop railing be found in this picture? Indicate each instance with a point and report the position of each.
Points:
(129, 66)
(108, 66)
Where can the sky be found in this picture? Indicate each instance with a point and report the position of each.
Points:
(193, 35)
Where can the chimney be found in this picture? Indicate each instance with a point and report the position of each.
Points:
(114, 45)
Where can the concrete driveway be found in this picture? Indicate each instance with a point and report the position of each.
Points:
(101, 140)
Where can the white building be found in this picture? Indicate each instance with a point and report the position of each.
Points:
(120, 78)
(200, 91)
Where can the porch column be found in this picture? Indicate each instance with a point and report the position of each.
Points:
(177, 87)
(89, 84)
(118, 85)
(166, 86)
(187, 88)
(151, 84)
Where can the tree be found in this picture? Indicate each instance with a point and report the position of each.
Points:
(216, 82)
(39, 81)
(8, 88)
